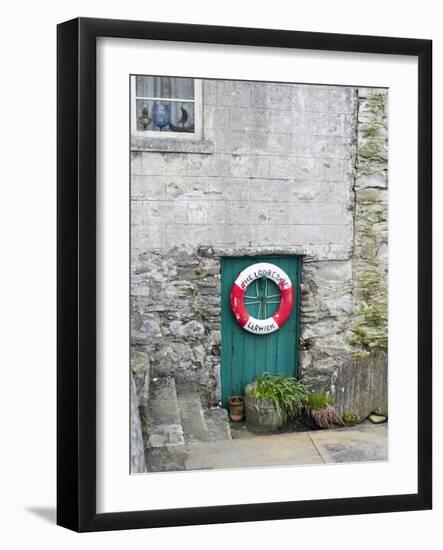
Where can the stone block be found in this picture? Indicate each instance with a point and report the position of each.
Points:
(270, 143)
(229, 188)
(308, 169)
(137, 213)
(140, 284)
(210, 92)
(287, 213)
(171, 145)
(162, 164)
(179, 188)
(207, 212)
(136, 164)
(321, 124)
(290, 122)
(330, 169)
(234, 93)
(148, 187)
(320, 146)
(283, 167)
(271, 235)
(336, 234)
(205, 235)
(324, 214)
(230, 141)
(307, 234)
(377, 179)
(311, 98)
(159, 212)
(192, 329)
(247, 212)
(234, 235)
(252, 166)
(145, 237)
(206, 165)
(342, 100)
(270, 189)
(313, 191)
(250, 120)
(332, 272)
(216, 117)
(271, 96)
(341, 305)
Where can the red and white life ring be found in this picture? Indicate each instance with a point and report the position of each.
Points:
(246, 277)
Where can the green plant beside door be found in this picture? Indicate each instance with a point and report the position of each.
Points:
(273, 399)
(320, 412)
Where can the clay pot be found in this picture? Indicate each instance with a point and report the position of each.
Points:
(236, 408)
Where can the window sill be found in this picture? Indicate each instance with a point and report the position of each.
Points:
(166, 145)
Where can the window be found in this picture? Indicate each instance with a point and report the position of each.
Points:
(166, 107)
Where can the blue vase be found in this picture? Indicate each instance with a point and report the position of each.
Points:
(161, 114)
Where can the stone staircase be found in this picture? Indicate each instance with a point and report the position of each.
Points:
(178, 419)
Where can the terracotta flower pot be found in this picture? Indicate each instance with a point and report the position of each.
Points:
(236, 408)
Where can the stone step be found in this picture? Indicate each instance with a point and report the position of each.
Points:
(217, 421)
(192, 417)
(163, 418)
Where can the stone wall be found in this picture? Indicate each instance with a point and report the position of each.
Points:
(275, 174)
(370, 265)
(360, 383)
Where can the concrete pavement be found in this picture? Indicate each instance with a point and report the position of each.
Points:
(363, 443)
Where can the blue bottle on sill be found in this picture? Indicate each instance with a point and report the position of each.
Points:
(161, 115)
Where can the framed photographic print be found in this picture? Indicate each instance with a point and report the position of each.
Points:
(244, 274)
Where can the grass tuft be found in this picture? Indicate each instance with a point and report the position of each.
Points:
(288, 394)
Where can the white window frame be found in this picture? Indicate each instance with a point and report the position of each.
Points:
(198, 115)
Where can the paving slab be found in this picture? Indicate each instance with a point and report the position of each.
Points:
(278, 450)
(363, 443)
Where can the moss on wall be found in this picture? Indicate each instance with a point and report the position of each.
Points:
(370, 332)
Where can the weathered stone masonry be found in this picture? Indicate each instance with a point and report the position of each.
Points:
(281, 170)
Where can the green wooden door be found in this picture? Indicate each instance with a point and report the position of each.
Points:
(246, 355)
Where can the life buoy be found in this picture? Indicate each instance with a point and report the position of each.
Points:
(238, 307)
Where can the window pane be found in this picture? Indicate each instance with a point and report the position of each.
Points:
(164, 87)
(165, 116)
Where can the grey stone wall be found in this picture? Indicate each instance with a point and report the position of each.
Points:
(274, 174)
(370, 255)
(360, 383)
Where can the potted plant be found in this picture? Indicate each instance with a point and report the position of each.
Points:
(236, 408)
(349, 418)
(271, 400)
(320, 412)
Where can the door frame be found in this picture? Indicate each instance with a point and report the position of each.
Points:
(224, 380)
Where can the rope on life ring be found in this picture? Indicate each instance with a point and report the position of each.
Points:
(238, 307)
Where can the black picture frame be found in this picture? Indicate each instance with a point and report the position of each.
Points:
(76, 265)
